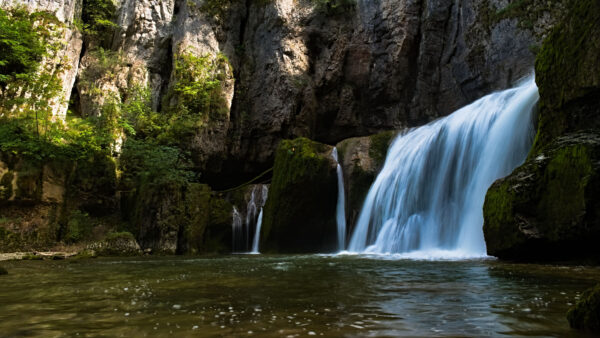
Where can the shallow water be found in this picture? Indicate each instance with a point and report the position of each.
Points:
(287, 296)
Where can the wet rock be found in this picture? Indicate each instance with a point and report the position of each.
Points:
(361, 159)
(547, 209)
(585, 315)
(299, 215)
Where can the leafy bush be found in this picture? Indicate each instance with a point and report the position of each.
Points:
(21, 49)
(196, 97)
(97, 17)
(78, 228)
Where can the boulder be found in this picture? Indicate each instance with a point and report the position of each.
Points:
(299, 215)
(547, 209)
(361, 159)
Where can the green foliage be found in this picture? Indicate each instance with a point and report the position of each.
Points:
(195, 99)
(21, 48)
(145, 162)
(79, 227)
(106, 64)
(27, 90)
(97, 17)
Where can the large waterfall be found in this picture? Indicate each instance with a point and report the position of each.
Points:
(427, 200)
(340, 213)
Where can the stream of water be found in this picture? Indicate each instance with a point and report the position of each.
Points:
(281, 296)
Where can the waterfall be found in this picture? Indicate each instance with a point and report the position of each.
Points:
(427, 200)
(256, 240)
(263, 197)
(340, 215)
(246, 229)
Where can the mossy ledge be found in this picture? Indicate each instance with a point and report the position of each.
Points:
(299, 215)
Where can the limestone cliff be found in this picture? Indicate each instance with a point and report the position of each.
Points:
(178, 98)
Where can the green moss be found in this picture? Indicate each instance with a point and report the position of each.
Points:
(563, 200)
(123, 235)
(98, 17)
(300, 212)
(547, 204)
(380, 144)
(585, 315)
(569, 55)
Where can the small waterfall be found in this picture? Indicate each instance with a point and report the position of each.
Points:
(427, 200)
(256, 240)
(263, 197)
(340, 215)
(246, 229)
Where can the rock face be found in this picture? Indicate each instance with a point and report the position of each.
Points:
(285, 69)
(300, 69)
(65, 61)
(175, 218)
(585, 315)
(361, 159)
(548, 208)
(299, 215)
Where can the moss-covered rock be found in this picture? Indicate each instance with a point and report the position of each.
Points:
(568, 74)
(179, 217)
(585, 315)
(361, 159)
(548, 208)
(299, 215)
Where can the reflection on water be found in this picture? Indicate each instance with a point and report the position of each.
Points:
(287, 296)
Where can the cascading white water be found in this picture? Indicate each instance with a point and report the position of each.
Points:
(243, 228)
(263, 199)
(427, 201)
(256, 241)
(340, 215)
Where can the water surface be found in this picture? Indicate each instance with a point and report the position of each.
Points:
(280, 296)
